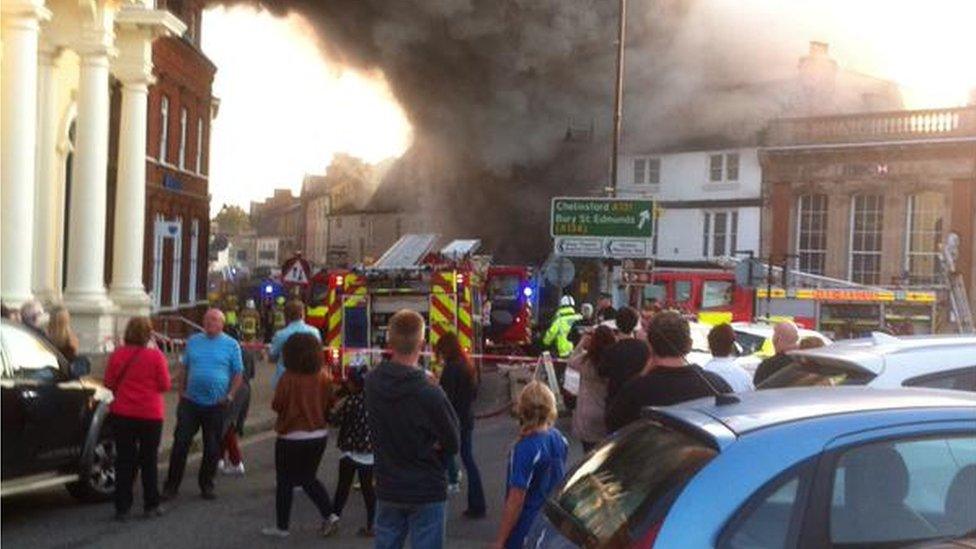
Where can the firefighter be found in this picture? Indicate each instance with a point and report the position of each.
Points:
(250, 321)
(561, 327)
(230, 316)
(279, 313)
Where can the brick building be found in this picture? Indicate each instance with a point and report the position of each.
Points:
(181, 108)
(281, 217)
(869, 197)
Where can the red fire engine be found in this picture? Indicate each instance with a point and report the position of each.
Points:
(695, 290)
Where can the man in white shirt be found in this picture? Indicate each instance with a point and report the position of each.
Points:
(721, 342)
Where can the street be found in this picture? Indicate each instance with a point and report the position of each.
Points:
(52, 518)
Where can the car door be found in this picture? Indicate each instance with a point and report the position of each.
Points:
(894, 487)
(47, 406)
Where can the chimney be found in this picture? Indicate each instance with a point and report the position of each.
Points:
(818, 75)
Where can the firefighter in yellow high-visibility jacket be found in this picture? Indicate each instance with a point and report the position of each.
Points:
(250, 321)
(562, 326)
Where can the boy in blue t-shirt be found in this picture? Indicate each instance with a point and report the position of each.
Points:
(536, 464)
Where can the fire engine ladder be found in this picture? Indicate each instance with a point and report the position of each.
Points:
(407, 252)
(762, 271)
(958, 298)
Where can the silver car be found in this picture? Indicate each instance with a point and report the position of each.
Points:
(884, 361)
(815, 467)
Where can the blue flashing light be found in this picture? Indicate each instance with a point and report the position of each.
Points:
(527, 291)
(268, 289)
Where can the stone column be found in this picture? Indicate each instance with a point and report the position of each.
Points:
(134, 68)
(46, 196)
(85, 293)
(18, 133)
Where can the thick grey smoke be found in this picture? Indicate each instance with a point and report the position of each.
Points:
(511, 99)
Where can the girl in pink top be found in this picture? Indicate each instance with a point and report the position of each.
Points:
(138, 375)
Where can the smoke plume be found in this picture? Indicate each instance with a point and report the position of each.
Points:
(511, 100)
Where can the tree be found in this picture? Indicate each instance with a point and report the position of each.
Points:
(232, 220)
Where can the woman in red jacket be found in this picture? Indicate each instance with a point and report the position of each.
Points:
(138, 375)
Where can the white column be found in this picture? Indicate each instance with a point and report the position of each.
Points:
(46, 195)
(85, 291)
(18, 133)
(134, 69)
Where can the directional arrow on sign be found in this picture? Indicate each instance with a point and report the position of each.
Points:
(645, 217)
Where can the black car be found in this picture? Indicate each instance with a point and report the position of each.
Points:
(54, 422)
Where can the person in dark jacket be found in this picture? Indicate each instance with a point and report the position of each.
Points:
(356, 447)
(460, 382)
(669, 380)
(413, 426)
(785, 339)
(625, 359)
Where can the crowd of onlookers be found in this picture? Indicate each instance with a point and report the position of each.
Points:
(398, 427)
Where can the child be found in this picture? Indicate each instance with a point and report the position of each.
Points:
(356, 446)
(536, 464)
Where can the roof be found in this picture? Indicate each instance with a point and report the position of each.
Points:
(759, 409)
(870, 352)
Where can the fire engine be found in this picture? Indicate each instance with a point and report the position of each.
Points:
(454, 290)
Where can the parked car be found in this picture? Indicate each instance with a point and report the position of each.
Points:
(884, 361)
(813, 467)
(755, 342)
(53, 421)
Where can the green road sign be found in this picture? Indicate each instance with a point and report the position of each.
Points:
(602, 217)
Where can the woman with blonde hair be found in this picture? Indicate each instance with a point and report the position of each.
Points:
(536, 464)
(59, 332)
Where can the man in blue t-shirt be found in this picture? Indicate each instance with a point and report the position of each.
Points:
(295, 316)
(211, 377)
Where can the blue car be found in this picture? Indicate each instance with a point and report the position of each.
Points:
(819, 467)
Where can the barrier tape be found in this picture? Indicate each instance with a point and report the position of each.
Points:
(377, 351)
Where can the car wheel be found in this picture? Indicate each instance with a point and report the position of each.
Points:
(98, 482)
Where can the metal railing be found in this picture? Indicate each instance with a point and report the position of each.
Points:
(917, 125)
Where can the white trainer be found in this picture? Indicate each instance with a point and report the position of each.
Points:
(274, 532)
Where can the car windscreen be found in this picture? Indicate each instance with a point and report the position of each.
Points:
(628, 484)
(814, 372)
(750, 343)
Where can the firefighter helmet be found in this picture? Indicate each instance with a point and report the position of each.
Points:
(567, 301)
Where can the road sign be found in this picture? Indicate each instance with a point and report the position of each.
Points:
(602, 217)
(602, 227)
(296, 271)
(560, 272)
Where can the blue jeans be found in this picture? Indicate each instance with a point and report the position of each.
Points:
(424, 521)
(476, 494)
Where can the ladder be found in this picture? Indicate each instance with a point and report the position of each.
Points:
(958, 298)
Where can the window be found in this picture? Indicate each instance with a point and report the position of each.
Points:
(904, 491)
(732, 167)
(28, 356)
(640, 171)
(720, 233)
(242, 255)
(629, 482)
(716, 293)
(267, 255)
(963, 379)
(867, 218)
(164, 130)
(923, 233)
(766, 523)
(182, 157)
(647, 170)
(199, 164)
(811, 233)
(682, 291)
(715, 167)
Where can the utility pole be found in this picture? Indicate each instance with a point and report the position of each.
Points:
(618, 100)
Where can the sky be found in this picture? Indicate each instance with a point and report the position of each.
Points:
(285, 109)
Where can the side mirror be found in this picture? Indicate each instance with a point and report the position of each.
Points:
(80, 367)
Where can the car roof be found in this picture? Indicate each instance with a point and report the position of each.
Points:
(759, 409)
(869, 353)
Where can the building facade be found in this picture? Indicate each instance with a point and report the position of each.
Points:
(280, 217)
(870, 197)
(177, 220)
(75, 85)
(708, 200)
